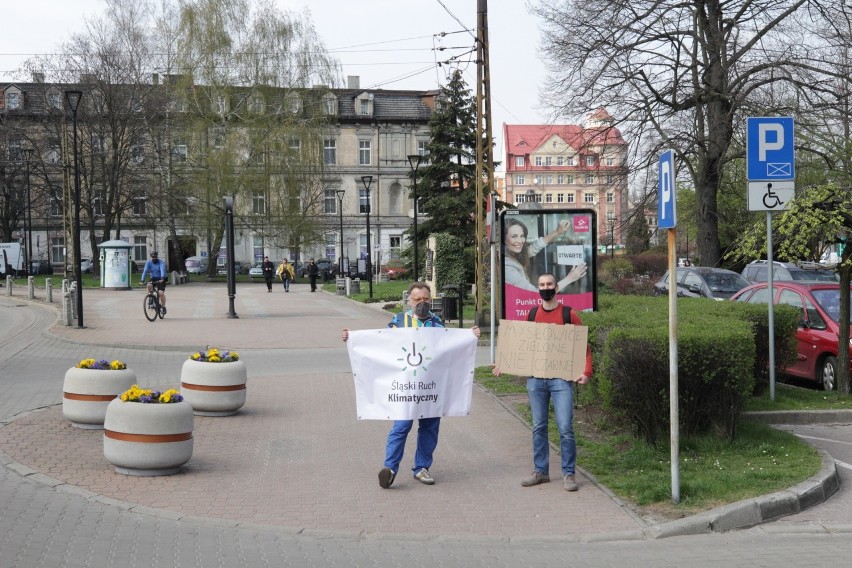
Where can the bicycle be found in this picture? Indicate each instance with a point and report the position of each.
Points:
(151, 305)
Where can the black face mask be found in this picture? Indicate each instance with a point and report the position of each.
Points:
(547, 294)
(421, 310)
(155, 260)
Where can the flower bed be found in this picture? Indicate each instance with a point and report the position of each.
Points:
(88, 388)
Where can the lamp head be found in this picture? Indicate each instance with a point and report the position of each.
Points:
(73, 98)
(367, 181)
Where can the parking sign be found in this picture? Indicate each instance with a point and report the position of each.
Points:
(666, 210)
(770, 151)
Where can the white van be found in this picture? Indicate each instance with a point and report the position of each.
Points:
(196, 265)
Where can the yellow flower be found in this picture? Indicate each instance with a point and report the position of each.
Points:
(117, 365)
(234, 356)
(214, 359)
(195, 356)
(86, 364)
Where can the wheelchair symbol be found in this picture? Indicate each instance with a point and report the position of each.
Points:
(771, 199)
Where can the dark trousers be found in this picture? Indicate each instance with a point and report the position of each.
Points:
(313, 278)
(268, 278)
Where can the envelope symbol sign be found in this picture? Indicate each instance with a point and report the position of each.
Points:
(778, 169)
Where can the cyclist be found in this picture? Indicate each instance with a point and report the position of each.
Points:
(158, 278)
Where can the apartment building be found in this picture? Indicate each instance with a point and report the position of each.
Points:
(570, 166)
(169, 177)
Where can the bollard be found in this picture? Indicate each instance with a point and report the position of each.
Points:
(30, 288)
(48, 290)
(72, 292)
(8, 285)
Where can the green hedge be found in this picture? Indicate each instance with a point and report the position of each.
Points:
(720, 349)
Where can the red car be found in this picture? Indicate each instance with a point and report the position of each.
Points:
(816, 337)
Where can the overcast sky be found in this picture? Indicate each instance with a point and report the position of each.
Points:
(382, 41)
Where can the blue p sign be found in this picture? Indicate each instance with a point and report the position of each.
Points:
(770, 154)
(666, 210)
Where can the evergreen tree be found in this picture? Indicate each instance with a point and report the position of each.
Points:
(446, 186)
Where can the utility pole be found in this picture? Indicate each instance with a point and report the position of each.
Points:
(484, 148)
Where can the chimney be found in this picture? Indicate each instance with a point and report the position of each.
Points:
(38, 77)
(353, 81)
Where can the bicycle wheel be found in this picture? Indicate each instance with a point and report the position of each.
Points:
(151, 305)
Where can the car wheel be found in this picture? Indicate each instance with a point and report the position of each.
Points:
(828, 373)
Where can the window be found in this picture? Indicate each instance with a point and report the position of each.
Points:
(560, 179)
(560, 198)
(53, 154)
(519, 180)
(569, 180)
(570, 199)
(395, 199)
(13, 101)
(364, 152)
(256, 104)
(548, 180)
(329, 151)
(295, 145)
(57, 250)
(610, 197)
(179, 152)
(363, 201)
(365, 106)
(97, 144)
(258, 158)
(137, 153)
(98, 207)
(547, 161)
(589, 179)
(570, 161)
(329, 202)
(56, 207)
(140, 248)
(220, 104)
(330, 104)
(422, 148)
(294, 104)
(54, 100)
(610, 179)
(538, 160)
(14, 151)
(588, 197)
(395, 248)
(548, 198)
(610, 161)
(257, 247)
(258, 204)
(560, 161)
(138, 206)
(590, 160)
(537, 180)
(519, 161)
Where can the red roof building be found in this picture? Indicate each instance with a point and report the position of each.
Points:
(558, 166)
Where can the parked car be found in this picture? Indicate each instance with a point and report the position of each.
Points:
(256, 271)
(41, 267)
(327, 269)
(816, 337)
(86, 265)
(703, 282)
(239, 268)
(758, 271)
(196, 265)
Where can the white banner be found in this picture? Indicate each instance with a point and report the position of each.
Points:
(408, 373)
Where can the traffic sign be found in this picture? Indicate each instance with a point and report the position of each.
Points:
(770, 152)
(770, 195)
(666, 209)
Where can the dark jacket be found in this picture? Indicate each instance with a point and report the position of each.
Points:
(268, 268)
(313, 269)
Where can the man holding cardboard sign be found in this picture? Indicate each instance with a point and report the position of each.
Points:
(552, 350)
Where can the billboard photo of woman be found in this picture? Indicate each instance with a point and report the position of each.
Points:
(560, 242)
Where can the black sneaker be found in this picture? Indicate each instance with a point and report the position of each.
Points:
(386, 477)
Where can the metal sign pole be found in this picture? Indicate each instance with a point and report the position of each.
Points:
(771, 306)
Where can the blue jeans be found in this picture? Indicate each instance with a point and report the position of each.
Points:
(541, 392)
(427, 441)
(286, 283)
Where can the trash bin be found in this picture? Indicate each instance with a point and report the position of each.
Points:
(450, 308)
(355, 288)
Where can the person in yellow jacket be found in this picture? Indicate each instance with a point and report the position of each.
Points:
(286, 273)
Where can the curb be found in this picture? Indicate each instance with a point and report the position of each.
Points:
(800, 416)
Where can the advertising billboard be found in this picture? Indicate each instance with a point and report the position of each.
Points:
(559, 241)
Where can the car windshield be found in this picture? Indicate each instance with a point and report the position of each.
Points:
(829, 299)
(725, 282)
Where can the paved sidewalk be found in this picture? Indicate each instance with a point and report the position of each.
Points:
(295, 459)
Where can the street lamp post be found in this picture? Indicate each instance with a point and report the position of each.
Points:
(28, 155)
(414, 160)
(367, 181)
(611, 220)
(73, 98)
(340, 193)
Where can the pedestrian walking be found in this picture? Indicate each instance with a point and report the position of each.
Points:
(313, 272)
(286, 273)
(268, 268)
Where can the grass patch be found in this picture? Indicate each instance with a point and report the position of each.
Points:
(791, 397)
(713, 472)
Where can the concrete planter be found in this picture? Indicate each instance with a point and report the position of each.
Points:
(214, 389)
(86, 393)
(148, 439)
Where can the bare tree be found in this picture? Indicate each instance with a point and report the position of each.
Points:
(685, 74)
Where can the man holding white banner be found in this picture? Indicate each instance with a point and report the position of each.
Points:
(412, 372)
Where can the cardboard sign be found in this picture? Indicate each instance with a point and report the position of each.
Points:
(544, 350)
